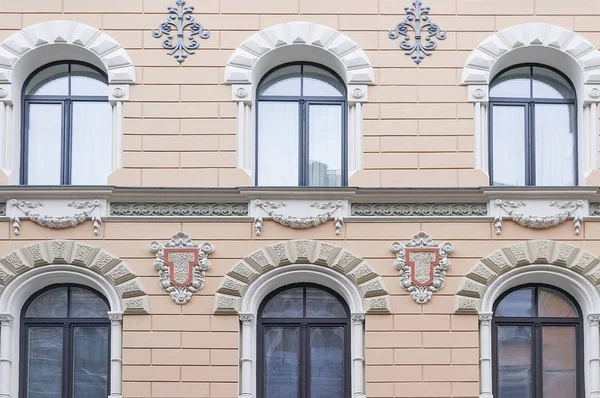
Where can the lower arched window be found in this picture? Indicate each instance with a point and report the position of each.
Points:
(65, 335)
(304, 344)
(538, 344)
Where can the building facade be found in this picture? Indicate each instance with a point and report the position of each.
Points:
(299, 198)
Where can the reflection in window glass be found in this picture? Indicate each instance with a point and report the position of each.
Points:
(51, 304)
(515, 362)
(44, 144)
(288, 303)
(327, 362)
(45, 362)
(549, 84)
(508, 145)
(559, 361)
(282, 362)
(325, 165)
(517, 304)
(53, 80)
(90, 362)
(515, 83)
(553, 304)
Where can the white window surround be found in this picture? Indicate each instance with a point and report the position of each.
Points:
(545, 44)
(15, 295)
(587, 296)
(35, 46)
(290, 42)
(299, 273)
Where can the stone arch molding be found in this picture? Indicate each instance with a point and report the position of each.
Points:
(475, 283)
(480, 63)
(116, 61)
(126, 283)
(351, 57)
(228, 299)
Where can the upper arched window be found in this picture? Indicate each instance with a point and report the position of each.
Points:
(301, 127)
(304, 344)
(533, 128)
(65, 336)
(67, 126)
(538, 344)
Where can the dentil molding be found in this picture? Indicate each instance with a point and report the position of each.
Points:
(299, 214)
(181, 265)
(422, 264)
(55, 213)
(538, 214)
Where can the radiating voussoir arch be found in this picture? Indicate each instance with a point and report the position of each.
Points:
(57, 253)
(369, 283)
(108, 51)
(474, 285)
(298, 41)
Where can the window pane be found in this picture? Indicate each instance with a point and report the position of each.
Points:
(514, 361)
(44, 144)
(284, 81)
(51, 304)
(319, 82)
(325, 146)
(554, 304)
(555, 145)
(282, 371)
(92, 128)
(53, 80)
(549, 84)
(87, 81)
(517, 304)
(320, 304)
(559, 361)
(44, 379)
(327, 362)
(508, 132)
(287, 304)
(90, 362)
(278, 143)
(86, 304)
(515, 83)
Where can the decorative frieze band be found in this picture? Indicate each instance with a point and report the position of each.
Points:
(419, 209)
(141, 209)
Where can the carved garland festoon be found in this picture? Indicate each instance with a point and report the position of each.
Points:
(181, 265)
(566, 210)
(87, 209)
(422, 264)
(331, 210)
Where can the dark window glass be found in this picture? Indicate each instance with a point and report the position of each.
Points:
(67, 129)
(533, 128)
(301, 128)
(538, 345)
(304, 344)
(65, 344)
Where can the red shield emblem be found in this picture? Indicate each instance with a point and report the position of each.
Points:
(181, 264)
(422, 262)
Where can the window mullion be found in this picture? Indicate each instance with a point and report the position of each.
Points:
(66, 360)
(530, 128)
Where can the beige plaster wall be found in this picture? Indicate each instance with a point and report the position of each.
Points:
(186, 351)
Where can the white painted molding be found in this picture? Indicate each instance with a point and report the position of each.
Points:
(295, 273)
(581, 288)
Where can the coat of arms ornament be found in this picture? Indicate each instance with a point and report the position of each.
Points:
(181, 265)
(422, 264)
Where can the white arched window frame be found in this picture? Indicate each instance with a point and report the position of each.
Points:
(35, 46)
(299, 273)
(544, 44)
(582, 290)
(24, 286)
(292, 42)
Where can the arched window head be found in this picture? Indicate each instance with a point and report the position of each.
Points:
(538, 344)
(303, 344)
(533, 128)
(301, 127)
(65, 337)
(67, 126)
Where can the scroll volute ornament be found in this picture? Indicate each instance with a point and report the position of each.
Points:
(422, 264)
(181, 265)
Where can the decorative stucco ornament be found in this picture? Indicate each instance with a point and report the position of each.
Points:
(86, 209)
(422, 264)
(181, 18)
(417, 19)
(290, 221)
(566, 210)
(181, 265)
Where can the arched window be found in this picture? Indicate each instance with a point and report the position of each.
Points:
(67, 126)
(538, 344)
(303, 344)
(533, 128)
(301, 128)
(65, 336)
